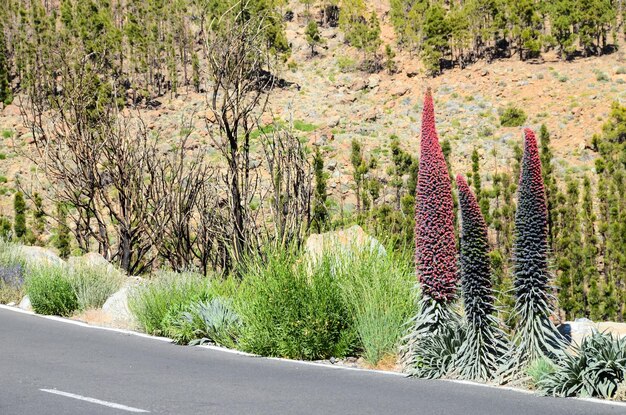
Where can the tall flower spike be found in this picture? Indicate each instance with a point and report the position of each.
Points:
(482, 351)
(536, 336)
(435, 247)
(435, 260)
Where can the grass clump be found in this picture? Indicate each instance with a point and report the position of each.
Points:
(50, 291)
(93, 284)
(378, 291)
(289, 309)
(539, 370)
(512, 117)
(161, 301)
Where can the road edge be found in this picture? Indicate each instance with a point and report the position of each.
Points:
(280, 359)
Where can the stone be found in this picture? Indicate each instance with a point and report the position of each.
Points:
(371, 115)
(334, 121)
(345, 242)
(25, 304)
(399, 91)
(90, 258)
(116, 308)
(36, 255)
(373, 81)
(358, 85)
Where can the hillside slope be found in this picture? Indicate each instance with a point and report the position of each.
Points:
(332, 107)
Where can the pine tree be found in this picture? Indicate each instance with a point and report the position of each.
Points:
(359, 166)
(19, 220)
(550, 183)
(39, 220)
(590, 253)
(6, 93)
(62, 240)
(320, 214)
(313, 36)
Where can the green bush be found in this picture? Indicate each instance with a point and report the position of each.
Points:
(596, 369)
(512, 117)
(50, 291)
(93, 284)
(289, 310)
(602, 77)
(161, 301)
(346, 64)
(303, 126)
(378, 291)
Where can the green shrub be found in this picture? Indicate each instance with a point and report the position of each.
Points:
(602, 77)
(596, 369)
(290, 311)
(93, 284)
(159, 302)
(378, 291)
(512, 117)
(50, 291)
(346, 64)
(303, 126)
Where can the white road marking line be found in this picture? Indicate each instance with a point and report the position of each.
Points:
(94, 400)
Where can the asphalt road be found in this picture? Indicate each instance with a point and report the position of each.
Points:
(50, 367)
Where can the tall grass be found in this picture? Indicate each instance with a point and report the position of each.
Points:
(378, 291)
(93, 284)
(161, 301)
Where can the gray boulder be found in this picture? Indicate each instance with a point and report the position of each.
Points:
(25, 304)
(36, 255)
(116, 308)
(346, 242)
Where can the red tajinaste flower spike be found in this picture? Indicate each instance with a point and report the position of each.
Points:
(435, 247)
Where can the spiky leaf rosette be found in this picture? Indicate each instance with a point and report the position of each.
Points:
(485, 344)
(435, 247)
(536, 336)
(435, 334)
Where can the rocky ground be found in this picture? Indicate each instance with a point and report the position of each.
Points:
(331, 103)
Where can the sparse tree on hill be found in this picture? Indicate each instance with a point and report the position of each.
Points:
(313, 36)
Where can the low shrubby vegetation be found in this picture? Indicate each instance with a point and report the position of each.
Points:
(161, 300)
(291, 310)
(282, 303)
(50, 291)
(12, 270)
(93, 284)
